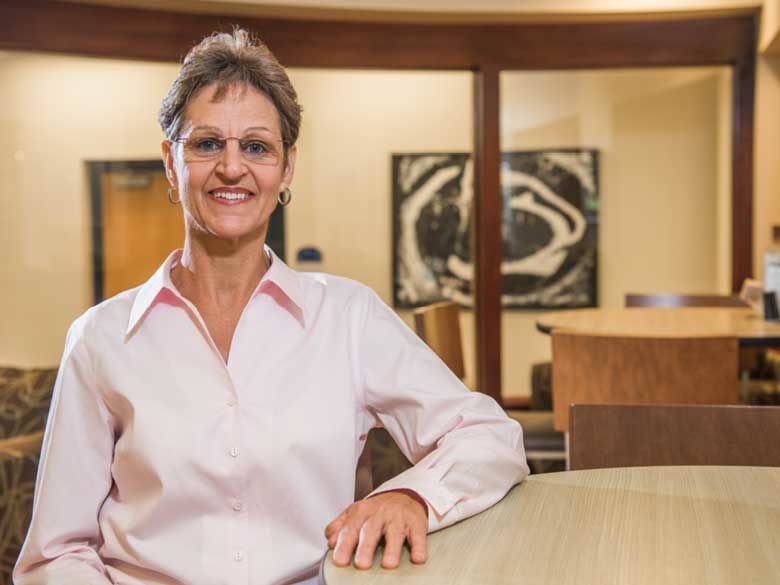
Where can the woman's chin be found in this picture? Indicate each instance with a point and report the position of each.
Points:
(234, 231)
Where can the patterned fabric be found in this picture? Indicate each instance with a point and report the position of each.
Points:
(17, 482)
(541, 386)
(763, 393)
(24, 405)
(764, 386)
(24, 400)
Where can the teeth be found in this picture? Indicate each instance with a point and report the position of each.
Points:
(231, 196)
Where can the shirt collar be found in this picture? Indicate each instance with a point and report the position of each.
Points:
(288, 281)
(278, 276)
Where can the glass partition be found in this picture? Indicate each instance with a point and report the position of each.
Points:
(73, 127)
(384, 185)
(615, 181)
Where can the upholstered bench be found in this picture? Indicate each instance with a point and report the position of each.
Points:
(25, 395)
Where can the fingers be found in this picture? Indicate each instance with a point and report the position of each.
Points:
(418, 542)
(359, 529)
(346, 541)
(332, 530)
(394, 542)
(370, 534)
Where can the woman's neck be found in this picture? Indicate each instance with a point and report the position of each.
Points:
(217, 272)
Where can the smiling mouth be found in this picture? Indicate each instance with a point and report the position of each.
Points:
(231, 197)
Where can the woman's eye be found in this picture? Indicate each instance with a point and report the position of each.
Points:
(254, 147)
(208, 145)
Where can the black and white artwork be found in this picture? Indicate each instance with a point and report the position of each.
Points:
(550, 228)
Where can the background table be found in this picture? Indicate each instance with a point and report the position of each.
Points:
(638, 526)
(745, 324)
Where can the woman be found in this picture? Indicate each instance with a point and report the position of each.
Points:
(205, 426)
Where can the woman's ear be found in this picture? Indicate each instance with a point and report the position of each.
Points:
(167, 156)
(289, 168)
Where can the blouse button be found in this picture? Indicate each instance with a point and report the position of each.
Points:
(238, 506)
(234, 451)
(230, 402)
(238, 556)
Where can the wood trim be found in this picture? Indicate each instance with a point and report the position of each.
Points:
(486, 230)
(743, 121)
(107, 31)
(160, 35)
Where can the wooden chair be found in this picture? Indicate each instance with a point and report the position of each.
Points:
(675, 300)
(618, 435)
(439, 326)
(624, 370)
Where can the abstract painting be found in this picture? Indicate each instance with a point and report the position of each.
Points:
(549, 228)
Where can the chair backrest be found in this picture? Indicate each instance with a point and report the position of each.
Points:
(604, 369)
(439, 326)
(615, 435)
(673, 300)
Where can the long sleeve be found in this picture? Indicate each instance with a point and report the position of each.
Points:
(74, 478)
(467, 452)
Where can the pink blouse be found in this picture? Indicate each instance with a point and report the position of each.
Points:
(162, 464)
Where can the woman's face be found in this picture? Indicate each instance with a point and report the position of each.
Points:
(228, 188)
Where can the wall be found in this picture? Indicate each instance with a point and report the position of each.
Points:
(769, 37)
(55, 113)
(58, 111)
(766, 210)
(353, 121)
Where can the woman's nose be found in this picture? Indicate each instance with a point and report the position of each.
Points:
(231, 163)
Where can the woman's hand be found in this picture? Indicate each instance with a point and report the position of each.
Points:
(399, 515)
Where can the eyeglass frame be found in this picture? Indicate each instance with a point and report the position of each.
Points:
(183, 142)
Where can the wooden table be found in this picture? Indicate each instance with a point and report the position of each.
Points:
(637, 526)
(743, 323)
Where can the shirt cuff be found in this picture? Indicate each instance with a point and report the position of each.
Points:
(439, 500)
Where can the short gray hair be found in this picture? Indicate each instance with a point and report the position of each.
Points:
(227, 59)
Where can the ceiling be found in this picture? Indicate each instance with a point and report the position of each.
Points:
(444, 9)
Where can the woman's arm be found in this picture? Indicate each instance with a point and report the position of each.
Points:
(74, 478)
(467, 452)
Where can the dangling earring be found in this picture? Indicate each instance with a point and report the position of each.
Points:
(170, 196)
(285, 197)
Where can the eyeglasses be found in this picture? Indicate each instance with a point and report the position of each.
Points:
(253, 150)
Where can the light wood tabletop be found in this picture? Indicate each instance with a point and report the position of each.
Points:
(743, 323)
(638, 526)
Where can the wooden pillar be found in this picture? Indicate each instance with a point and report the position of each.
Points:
(743, 107)
(486, 230)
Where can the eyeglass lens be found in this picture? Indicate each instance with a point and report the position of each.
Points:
(253, 150)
